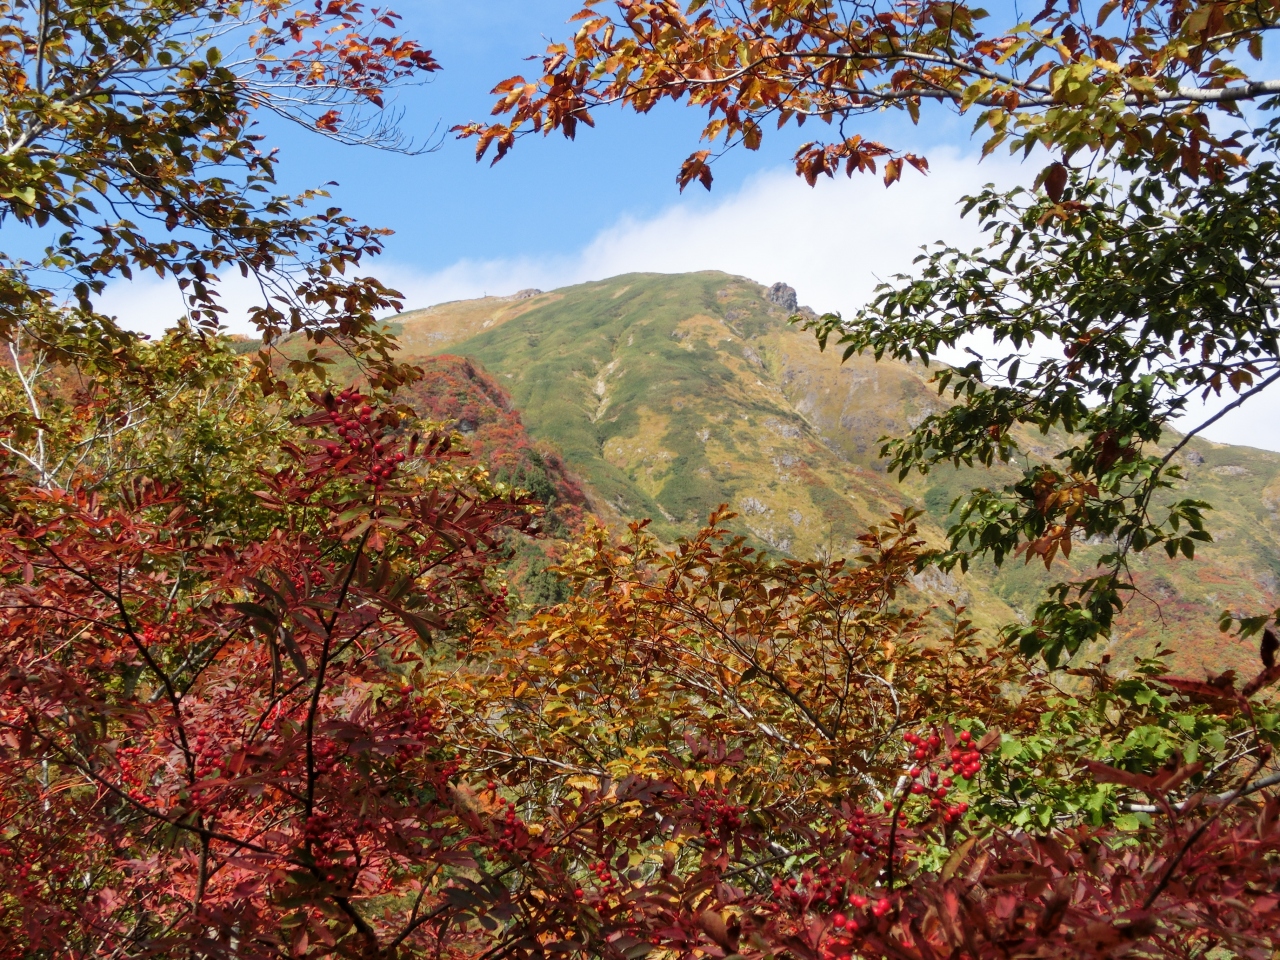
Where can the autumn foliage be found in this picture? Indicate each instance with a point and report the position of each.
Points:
(329, 741)
(458, 394)
(1138, 81)
(264, 692)
(214, 745)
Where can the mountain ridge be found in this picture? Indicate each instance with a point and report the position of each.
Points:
(670, 394)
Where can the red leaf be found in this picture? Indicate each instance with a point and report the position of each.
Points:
(1055, 181)
(695, 168)
(1104, 773)
(1221, 693)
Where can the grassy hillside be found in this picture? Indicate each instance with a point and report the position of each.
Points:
(668, 395)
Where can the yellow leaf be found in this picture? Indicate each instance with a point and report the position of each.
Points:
(953, 862)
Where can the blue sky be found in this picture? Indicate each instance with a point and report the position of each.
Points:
(556, 212)
(550, 194)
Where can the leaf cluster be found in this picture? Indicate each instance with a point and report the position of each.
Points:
(127, 138)
(1095, 317)
(1137, 81)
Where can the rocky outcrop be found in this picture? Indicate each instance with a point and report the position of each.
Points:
(781, 295)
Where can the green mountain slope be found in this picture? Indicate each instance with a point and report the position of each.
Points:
(668, 395)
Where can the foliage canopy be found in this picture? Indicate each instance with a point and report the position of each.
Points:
(128, 141)
(261, 695)
(1140, 80)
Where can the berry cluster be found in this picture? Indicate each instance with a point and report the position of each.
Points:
(812, 888)
(604, 877)
(209, 755)
(135, 765)
(420, 733)
(965, 761)
(717, 817)
(845, 923)
(318, 829)
(326, 756)
(362, 433)
(862, 838)
(513, 833)
(820, 888)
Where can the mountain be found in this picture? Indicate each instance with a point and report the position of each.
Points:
(668, 395)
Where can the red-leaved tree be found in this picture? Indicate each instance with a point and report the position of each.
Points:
(212, 747)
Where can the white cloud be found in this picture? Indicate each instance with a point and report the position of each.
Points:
(832, 242)
(151, 305)
(147, 304)
(1254, 424)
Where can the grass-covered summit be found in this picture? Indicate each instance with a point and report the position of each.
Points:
(667, 395)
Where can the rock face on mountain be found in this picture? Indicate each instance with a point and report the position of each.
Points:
(669, 395)
(783, 296)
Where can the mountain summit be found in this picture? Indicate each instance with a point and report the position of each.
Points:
(667, 395)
